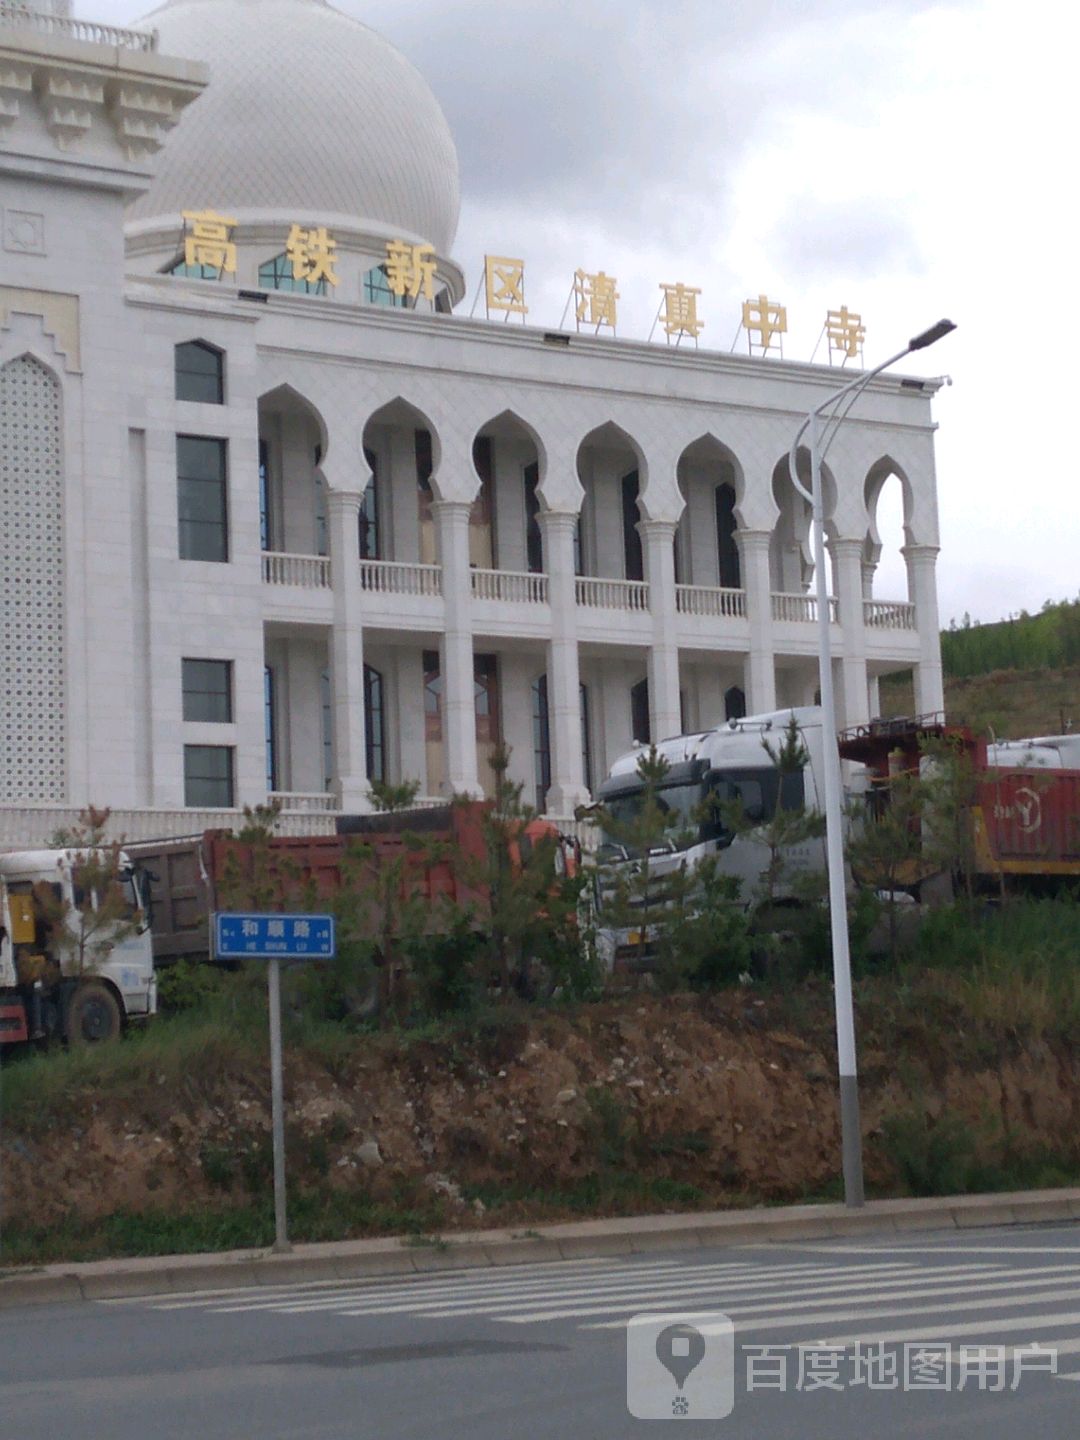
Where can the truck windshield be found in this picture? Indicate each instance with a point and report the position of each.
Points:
(679, 806)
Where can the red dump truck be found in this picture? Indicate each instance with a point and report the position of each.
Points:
(1025, 794)
(190, 878)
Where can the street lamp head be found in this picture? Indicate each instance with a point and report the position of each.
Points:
(931, 336)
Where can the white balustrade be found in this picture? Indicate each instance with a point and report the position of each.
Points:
(709, 600)
(317, 802)
(515, 587)
(600, 594)
(393, 577)
(801, 609)
(306, 572)
(76, 29)
(889, 614)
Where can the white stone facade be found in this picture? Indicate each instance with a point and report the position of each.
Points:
(548, 572)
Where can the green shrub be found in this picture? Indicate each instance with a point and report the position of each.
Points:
(933, 1156)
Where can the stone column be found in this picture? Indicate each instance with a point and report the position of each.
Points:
(564, 682)
(922, 587)
(760, 681)
(664, 716)
(458, 673)
(847, 557)
(347, 653)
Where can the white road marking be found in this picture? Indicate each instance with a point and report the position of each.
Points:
(1003, 1325)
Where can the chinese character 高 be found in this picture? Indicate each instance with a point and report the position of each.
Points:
(208, 240)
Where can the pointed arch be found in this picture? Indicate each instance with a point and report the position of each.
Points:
(712, 484)
(613, 472)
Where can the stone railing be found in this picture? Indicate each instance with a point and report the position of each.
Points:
(30, 826)
(516, 587)
(802, 609)
(889, 614)
(303, 802)
(391, 577)
(709, 600)
(306, 572)
(74, 29)
(598, 594)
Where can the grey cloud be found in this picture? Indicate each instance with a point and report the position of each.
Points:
(856, 238)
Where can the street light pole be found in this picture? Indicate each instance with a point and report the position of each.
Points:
(812, 426)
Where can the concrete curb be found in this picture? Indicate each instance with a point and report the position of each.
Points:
(587, 1239)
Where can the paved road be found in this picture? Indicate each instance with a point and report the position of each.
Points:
(539, 1351)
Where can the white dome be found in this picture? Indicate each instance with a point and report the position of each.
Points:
(308, 113)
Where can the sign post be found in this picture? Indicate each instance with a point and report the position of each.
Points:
(275, 938)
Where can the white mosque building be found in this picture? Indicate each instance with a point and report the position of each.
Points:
(273, 527)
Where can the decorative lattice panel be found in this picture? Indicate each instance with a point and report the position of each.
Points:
(31, 585)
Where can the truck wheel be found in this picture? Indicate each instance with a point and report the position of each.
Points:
(93, 1015)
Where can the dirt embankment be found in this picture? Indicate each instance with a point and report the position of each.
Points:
(717, 1093)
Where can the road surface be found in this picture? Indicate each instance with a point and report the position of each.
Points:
(535, 1352)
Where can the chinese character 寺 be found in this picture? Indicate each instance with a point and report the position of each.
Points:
(410, 269)
(764, 317)
(597, 298)
(311, 253)
(209, 240)
(680, 310)
(504, 281)
(846, 332)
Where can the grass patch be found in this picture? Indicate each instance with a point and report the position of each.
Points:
(314, 1215)
(603, 1192)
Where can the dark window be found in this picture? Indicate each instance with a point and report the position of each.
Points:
(207, 687)
(322, 545)
(734, 703)
(486, 693)
(639, 713)
(432, 696)
(586, 738)
(266, 529)
(270, 727)
(200, 373)
(633, 558)
(579, 545)
(277, 274)
(208, 777)
(727, 548)
(201, 492)
(482, 514)
(369, 511)
(374, 724)
(326, 692)
(534, 544)
(377, 289)
(541, 739)
(195, 272)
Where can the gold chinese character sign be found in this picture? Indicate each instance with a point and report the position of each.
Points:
(766, 319)
(846, 333)
(680, 313)
(410, 269)
(596, 299)
(208, 240)
(311, 254)
(504, 284)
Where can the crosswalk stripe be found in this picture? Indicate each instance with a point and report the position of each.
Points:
(486, 1281)
(823, 1248)
(407, 1299)
(1004, 1325)
(764, 1320)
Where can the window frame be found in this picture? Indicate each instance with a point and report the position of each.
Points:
(195, 692)
(218, 376)
(281, 277)
(221, 483)
(228, 779)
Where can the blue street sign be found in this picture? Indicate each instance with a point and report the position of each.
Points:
(273, 937)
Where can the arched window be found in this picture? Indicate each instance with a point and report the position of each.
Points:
(277, 274)
(374, 724)
(377, 289)
(369, 511)
(534, 546)
(641, 730)
(200, 373)
(734, 703)
(727, 550)
(193, 272)
(541, 739)
(633, 557)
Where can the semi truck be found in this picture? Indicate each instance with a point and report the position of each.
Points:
(50, 986)
(708, 773)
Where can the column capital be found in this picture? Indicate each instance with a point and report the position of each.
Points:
(846, 545)
(558, 521)
(340, 502)
(658, 529)
(754, 539)
(451, 509)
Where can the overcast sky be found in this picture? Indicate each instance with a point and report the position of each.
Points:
(902, 157)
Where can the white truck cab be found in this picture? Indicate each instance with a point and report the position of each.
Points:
(43, 990)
